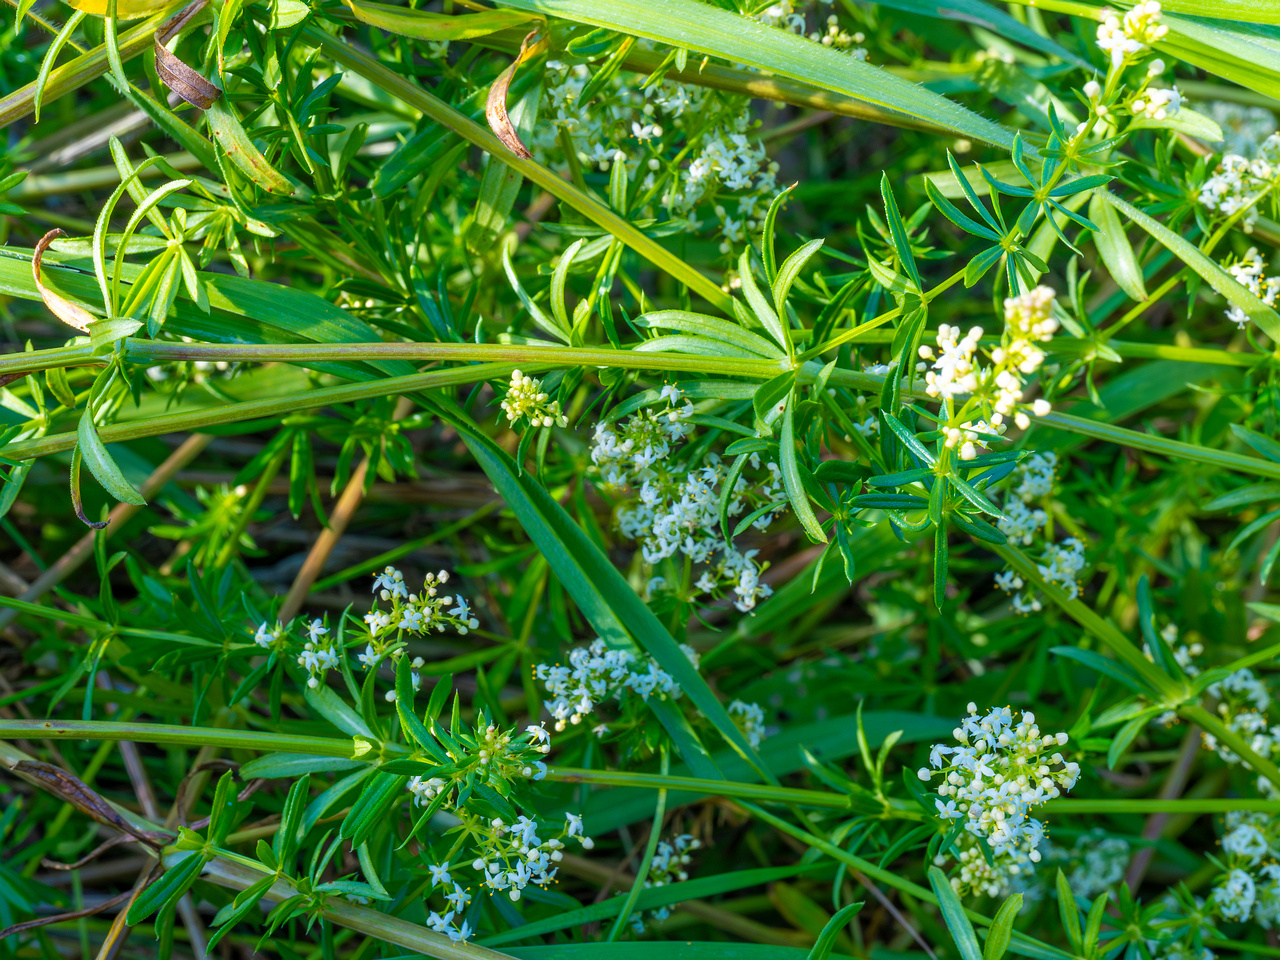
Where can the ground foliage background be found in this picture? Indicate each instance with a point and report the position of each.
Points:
(816, 458)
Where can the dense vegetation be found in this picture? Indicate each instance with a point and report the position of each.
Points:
(630, 478)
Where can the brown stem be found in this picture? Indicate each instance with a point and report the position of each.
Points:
(1174, 784)
(343, 511)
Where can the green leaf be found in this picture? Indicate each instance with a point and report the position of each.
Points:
(535, 312)
(1069, 912)
(1236, 293)
(333, 708)
(759, 305)
(898, 231)
(701, 325)
(383, 792)
(1263, 444)
(1104, 665)
(984, 15)
(788, 272)
(241, 151)
(173, 883)
(1126, 735)
(605, 598)
(954, 916)
(1002, 928)
(1242, 496)
(101, 465)
(791, 476)
(1115, 250)
(422, 25)
(704, 29)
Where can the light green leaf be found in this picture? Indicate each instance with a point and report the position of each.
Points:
(101, 465)
(1236, 293)
(701, 325)
(954, 916)
(759, 305)
(1115, 250)
(1185, 121)
(791, 476)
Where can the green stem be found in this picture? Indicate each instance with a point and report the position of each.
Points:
(747, 791)
(445, 115)
(1158, 805)
(1210, 723)
(1110, 635)
(651, 847)
(186, 736)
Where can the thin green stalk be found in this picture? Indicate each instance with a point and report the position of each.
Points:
(1159, 805)
(250, 507)
(1210, 723)
(764, 793)
(445, 115)
(1109, 634)
(655, 832)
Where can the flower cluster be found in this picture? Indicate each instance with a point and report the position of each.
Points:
(1250, 271)
(1127, 38)
(677, 505)
(1008, 870)
(1001, 771)
(670, 858)
(956, 373)
(317, 654)
(526, 399)
(1243, 701)
(490, 756)
(1249, 887)
(427, 611)
(1096, 862)
(688, 145)
(596, 673)
(1239, 182)
(512, 856)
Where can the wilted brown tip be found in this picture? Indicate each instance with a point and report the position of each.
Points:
(495, 109)
(69, 313)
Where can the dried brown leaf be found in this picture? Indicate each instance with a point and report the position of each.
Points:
(177, 76)
(62, 784)
(495, 109)
(69, 313)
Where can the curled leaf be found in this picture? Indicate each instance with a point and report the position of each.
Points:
(495, 109)
(62, 784)
(177, 76)
(76, 500)
(69, 313)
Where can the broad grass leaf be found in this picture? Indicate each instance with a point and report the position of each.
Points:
(1115, 249)
(423, 25)
(701, 28)
(698, 324)
(954, 916)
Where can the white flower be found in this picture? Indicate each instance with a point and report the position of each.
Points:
(316, 631)
(573, 824)
(440, 873)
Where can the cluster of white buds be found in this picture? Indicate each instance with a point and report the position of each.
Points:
(836, 36)
(629, 450)
(596, 673)
(1127, 38)
(491, 756)
(1095, 863)
(954, 372)
(1033, 480)
(427, 611)
(670, 860)
(1239, 182)
(272, 638)
(1001, 771)
(972, 437)
(1028, 320)
(1250, 270)
(512, 856)
(1243, 701)
(1006, 871)
(750, 720)
(526, 398)
(1157, 103)
(1062, 564)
